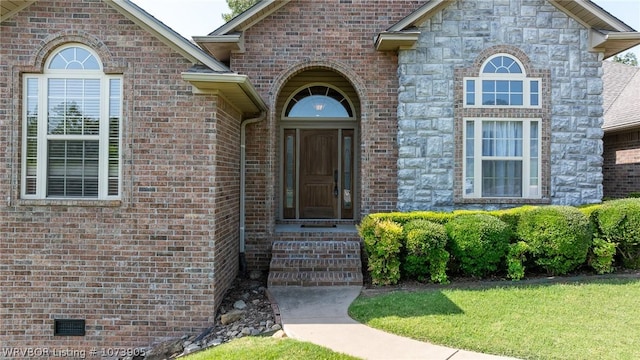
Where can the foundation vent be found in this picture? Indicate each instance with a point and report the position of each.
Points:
(68, 327)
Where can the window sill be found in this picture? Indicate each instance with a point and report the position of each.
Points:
(70, 202)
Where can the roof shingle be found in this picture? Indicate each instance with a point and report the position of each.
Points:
(621, 96)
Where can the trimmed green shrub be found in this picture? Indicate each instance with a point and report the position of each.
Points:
(426, 254)
(382, 242)
(511, 216)
(601, 256)
(558, 237)
(618, 222)
(367, 227)
(403, 218)
(478, 243)
(516, 259)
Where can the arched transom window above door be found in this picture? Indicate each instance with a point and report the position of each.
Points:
(318, 101)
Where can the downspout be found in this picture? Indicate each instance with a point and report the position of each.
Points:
(243, 166)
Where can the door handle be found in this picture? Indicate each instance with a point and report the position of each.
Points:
(335, 183)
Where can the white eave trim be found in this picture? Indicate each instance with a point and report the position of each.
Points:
(230, 38)
(597, 11)
(216, 81)
(418, 16)
(221, 46)
(246, 19)
(605, 42)
(621, 127)
(393, 41)
(168, 36)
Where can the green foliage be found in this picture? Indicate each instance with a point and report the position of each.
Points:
(511, 216)
(426, 254)
(618, 222)
(601, 256)
(267, 348)
(588, 210)
(403, 218)
(478, 242)
(558, 237)
(237, 7)
(383, 245)
(585, 319)
(367, 227)
(516, 259)
(627, 59)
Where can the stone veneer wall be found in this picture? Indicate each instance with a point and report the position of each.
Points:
(453, 39)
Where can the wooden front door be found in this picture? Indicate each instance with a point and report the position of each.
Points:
(318, 173)
(319, 190)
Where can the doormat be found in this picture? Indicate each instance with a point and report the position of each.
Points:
(318, 225)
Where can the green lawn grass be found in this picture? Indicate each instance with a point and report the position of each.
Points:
(597, 319)
(265, 348)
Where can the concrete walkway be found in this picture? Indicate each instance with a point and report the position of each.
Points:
(319, 315)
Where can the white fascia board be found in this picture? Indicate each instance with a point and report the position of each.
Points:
(387, 41)
(595, 10)
(239, 23)
(604, 15)
(417, 15)
(242, 81)
(167, 35)
(622, 127)
(599, 41)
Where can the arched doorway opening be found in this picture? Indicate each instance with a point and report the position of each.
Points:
(319, 147)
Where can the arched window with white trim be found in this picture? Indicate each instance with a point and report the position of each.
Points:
(502, 82)
(502, 151)
(318, 101)
(71, 132)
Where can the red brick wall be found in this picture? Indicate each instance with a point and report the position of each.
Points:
(227, 198)
(621, 167)
(152, 265)
(337, 35)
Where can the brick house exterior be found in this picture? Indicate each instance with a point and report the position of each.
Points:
(621, 130)
(207, 165)
(155, 261)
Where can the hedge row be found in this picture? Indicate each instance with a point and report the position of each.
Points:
(552, 239)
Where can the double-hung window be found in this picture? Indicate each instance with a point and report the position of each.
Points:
(502, 158)
(501, 151)
(71, 133)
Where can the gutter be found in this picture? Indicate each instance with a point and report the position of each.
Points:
(243, 166)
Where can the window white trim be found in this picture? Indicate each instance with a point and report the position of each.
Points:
(472, 185)
(34, 182)
(473, 87)
(348, 105)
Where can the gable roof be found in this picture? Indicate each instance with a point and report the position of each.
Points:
(208, 75)
(620, 96)
(227, 38)
(171, 38)
(608, 34)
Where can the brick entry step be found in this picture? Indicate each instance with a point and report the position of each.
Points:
(315, 263)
